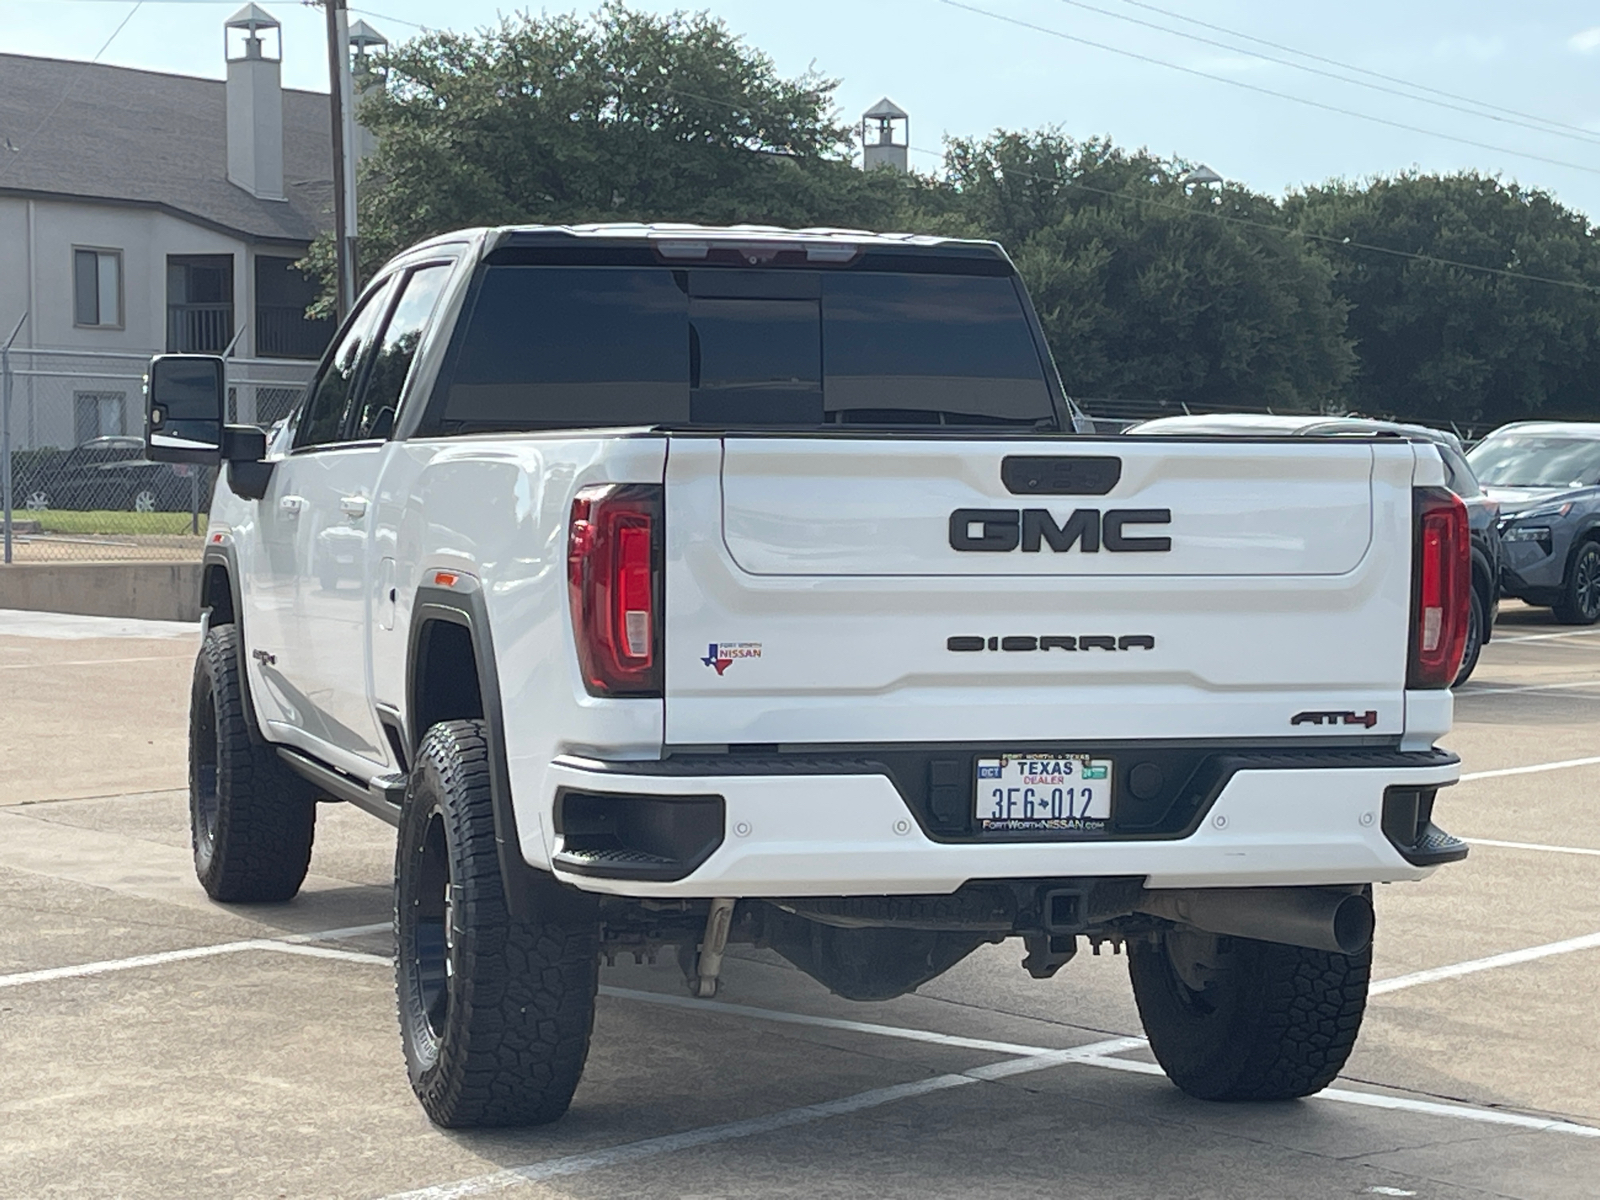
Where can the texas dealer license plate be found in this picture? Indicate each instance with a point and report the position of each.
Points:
(1038, 793)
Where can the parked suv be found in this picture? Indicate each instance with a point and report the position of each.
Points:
(1546, 477)
(746, 585)
(106, 473)
(1483, 512)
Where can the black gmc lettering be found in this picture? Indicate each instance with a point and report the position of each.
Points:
(1005, 529)
(1117, 518)
(1082, 526)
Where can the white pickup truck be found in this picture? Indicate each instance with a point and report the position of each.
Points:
(676, 586)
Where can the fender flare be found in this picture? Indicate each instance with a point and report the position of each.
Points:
(221, 556)
(467, 609)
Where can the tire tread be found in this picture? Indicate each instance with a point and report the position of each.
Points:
(267, 814)
(517, 1033)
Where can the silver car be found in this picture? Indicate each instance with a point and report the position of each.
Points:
(1546, 476)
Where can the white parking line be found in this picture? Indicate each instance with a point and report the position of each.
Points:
(94, 662)
(293, 944)
(769, 1014)
(1510, 958)
(1532, 846)
(1098, 1054)
(628, 1152)
(1431, 1108)
(1541, 637)
(1021, 1059)
(1564, 685)
(1532, 769)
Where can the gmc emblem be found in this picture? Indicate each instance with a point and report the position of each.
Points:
(1002, 529)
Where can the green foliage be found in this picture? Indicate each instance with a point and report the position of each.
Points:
(1448, 344)
(626, 116)
(1149, 290)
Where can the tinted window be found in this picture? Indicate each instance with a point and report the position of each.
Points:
(755, 362)
(940, 349)
(391, 360)
(1528, 461)
(323, 418)
(571, 347)
(582, 347)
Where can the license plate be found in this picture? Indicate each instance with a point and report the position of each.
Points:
(1043, 793)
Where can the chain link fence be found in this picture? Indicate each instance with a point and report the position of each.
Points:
(81, 488)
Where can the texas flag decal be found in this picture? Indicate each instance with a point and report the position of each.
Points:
(721, 655)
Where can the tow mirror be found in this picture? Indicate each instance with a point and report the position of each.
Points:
(185, 397)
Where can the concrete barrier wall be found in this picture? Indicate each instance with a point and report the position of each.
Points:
(157, 591)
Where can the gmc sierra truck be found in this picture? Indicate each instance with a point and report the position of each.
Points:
(670, 587)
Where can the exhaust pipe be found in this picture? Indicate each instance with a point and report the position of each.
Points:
(1318, 918)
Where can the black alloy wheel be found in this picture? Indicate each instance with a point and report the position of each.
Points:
(1580, 595)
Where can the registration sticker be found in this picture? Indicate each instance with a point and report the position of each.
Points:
(1043, 793)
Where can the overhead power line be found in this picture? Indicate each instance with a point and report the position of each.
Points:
(1471, 108)
(1333, 62)
(1264, 91)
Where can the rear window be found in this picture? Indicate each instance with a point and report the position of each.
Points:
(555, 347)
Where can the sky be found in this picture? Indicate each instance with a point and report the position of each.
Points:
(1016, 65)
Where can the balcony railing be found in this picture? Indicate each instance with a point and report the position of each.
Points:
(282, 331)
(199, 328)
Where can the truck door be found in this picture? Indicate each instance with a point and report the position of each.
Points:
(308, 578)
(325, 498)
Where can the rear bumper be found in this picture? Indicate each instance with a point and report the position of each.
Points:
(852, 834)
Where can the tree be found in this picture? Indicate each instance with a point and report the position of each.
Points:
(626, 116)
(1147, 290)
(1445, 342)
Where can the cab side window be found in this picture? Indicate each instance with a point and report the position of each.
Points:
(323, 420)
(395, 350)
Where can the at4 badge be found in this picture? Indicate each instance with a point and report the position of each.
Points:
(721, 655)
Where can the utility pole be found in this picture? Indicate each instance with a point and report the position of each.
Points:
(344, 135)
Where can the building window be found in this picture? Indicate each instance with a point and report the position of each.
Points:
(97, 288)
(282, 296)
(199, 303)
(98, 414)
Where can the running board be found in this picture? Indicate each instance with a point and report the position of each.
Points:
(381, 797)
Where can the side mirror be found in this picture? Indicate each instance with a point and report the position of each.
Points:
(185, 401)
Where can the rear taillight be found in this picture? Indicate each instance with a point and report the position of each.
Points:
(614, 583)
(1441, 581)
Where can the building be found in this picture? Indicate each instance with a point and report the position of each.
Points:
(142, 212)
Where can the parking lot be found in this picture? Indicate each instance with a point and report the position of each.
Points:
(158, 1045)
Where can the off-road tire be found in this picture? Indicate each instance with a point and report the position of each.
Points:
(1475, 631)
(251, 819)
(1275, 1022)
(1579, 602)
(495, 1011)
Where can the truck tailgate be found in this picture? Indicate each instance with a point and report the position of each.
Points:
(857, 590)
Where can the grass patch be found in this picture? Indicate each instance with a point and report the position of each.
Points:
(109, 522)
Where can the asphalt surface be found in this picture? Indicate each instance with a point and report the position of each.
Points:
(158, 1045)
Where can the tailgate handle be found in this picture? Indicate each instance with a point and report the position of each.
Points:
(1060, 475)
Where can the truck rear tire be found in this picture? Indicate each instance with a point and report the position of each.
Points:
(251, 819)
(495, 1011)
(1235, 1019)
